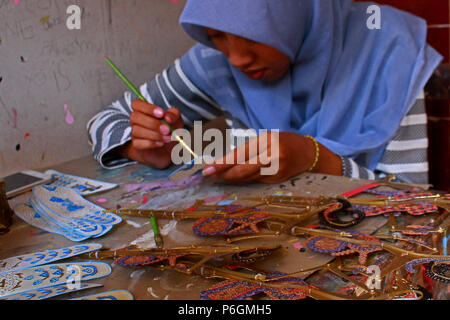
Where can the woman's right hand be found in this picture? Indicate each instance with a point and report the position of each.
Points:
(151, 142)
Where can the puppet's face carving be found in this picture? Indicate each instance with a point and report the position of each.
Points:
(257, 60)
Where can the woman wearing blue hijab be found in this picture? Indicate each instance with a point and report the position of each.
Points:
(342, 95)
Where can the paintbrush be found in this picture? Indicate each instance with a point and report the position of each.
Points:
(157, 235)
(141, 97)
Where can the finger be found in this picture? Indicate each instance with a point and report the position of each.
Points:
(172, 115)
(238, 156)
(147, 108)
(145, 121)
(240, 173)
(139, 132)
(141, 144)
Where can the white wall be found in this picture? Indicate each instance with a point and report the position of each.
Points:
(66, 67)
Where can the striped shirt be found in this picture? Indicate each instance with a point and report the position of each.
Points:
(405, 155)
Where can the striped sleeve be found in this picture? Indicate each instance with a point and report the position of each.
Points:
(111, 128)
(405, 155)
(353, 170)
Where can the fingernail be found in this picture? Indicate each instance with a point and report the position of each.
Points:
(164, 129)
(159, 143)
(209, 171)
(158, 112)
(167, 138)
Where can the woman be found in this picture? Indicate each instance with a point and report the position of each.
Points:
(344, 97)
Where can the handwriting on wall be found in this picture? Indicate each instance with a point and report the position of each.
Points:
(53, 78)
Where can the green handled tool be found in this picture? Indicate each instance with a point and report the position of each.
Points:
(141, 97)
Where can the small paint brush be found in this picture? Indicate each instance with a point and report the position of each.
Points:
(157, 235)
(141, 97)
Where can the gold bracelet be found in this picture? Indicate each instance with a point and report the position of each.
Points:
(316, 160)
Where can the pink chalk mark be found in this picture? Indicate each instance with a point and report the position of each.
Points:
(101, 200)
(69, 118)
(174, 1)
(16, 1)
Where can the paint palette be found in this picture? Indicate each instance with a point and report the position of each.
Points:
(84, 186)
(64, 211)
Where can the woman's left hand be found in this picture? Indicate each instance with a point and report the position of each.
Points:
(266, 159)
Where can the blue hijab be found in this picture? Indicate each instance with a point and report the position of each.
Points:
(348, 86)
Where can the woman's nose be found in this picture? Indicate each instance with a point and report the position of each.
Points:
(239, 52)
